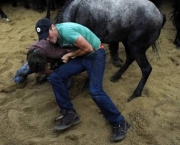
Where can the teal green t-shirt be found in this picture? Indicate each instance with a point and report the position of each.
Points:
(69, 32)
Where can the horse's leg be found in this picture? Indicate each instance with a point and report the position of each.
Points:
(14, 3)
(53, 5)
(26, 5)
(48, 9)
(146, 69)
(113, 47)
(176, 21)
(41, 5)
(129, 60)
(3, 15)
(177, 39)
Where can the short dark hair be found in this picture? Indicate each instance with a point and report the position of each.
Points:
(37, 61)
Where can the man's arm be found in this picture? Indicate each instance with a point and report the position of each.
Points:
(84, 48)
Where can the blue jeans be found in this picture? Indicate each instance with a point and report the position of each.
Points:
(94, 64)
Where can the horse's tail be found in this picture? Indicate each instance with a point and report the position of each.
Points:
(154, 46)
(164, 19)
(174, 15)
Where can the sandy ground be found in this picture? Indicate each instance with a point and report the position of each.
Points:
(27, 110)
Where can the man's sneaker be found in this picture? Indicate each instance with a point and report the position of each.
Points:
(68, 119)
(119, 131)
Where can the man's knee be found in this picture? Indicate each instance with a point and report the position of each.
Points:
(55, 77)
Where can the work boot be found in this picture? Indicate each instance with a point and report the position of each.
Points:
(119, 131)
(68, 119)
(63, 112)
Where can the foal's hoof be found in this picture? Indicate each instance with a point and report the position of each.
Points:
(178, 47)
(114, 78)
(27, 6)
(40, 11)
(131, 98)
(6, 20)
(117, 63)
(14, 5)
(53, 8)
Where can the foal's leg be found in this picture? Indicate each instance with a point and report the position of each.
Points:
(146, 69)
(48, 13)
(177, 39)
(53, 5)
(4, 16)
(113, 47)
(26, 5)
(129, 60)
(14, 3)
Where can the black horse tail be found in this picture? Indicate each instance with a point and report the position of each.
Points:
(174, 15)
(164, 19)
(154, 46)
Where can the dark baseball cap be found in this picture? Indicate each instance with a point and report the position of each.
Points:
(42, 28)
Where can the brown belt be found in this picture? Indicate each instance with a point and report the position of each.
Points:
(101, 46)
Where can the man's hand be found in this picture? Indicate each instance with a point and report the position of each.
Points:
(83, 48)
(65, 58)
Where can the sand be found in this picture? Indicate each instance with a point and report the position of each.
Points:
(28, 110)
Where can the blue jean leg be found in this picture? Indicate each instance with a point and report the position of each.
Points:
(95, 66)
(58, 81)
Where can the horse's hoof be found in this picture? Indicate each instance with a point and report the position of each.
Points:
(178, 47)
(131, 98)
(27, 6)
(114, 78)
(40, 11)
(117, 63)
(14, 5)
(6, 20)
(53, 9)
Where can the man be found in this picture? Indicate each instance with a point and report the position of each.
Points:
(43, 52)
(40, 54)
(87, 57)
